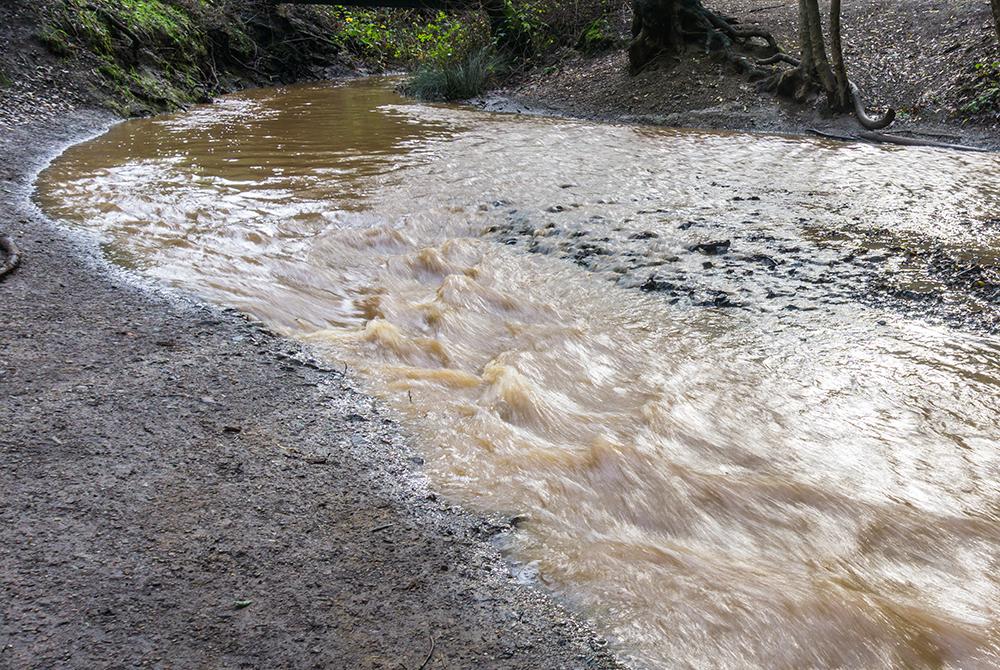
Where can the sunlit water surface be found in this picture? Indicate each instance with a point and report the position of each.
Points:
(715, 488)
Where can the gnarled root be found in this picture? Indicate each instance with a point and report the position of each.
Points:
(665, 26)
(862, 115)
(660, 26)
(793, 83)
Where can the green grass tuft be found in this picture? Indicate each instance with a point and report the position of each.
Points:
(459, 79)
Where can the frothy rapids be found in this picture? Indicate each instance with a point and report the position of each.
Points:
(657, 346)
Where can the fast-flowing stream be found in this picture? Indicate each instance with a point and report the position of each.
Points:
(676, 354)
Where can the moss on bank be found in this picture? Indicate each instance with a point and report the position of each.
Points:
(149, 55)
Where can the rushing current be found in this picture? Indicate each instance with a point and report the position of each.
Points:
(659, 348)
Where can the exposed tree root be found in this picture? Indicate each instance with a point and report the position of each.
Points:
(884, 138)
(862, 115)
(12, 256)
(793, 83)
(664, 26)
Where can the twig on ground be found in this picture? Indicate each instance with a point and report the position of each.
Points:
(430, 652)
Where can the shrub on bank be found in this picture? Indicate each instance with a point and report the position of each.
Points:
(982, 93)
(456, 79)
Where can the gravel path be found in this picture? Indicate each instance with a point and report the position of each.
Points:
(182, 489)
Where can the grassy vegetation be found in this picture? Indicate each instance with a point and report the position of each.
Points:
(455, 79)
(530, 32)
(407, 38)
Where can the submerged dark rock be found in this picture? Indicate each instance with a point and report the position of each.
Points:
(713, 248)
(644, 235)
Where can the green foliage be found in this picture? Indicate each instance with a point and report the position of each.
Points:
(446, 38)
(98, 24)
(390, 37)
(984, 91)
(524, 30)
(597, 36)
(5, 80)
(457, 79)
(365, 33)
(170, 52)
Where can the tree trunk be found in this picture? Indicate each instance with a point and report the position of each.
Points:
(843, 91)
(996, 16)
(823, 72)
(655, 30)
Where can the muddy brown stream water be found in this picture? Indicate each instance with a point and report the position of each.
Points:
(726, 456)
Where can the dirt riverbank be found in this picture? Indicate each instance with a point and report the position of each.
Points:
(183, 489)
(917, 56)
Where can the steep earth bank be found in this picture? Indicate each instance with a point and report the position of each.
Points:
(138, 57)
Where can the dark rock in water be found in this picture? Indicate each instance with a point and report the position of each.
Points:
(907, 294)
(720, 299)
(644, 235)
(713, 248)
(708, 264)
(686, 225)
(656, 284)
(737, 198)
(766, 260)
(556, 208)
(587, 250)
